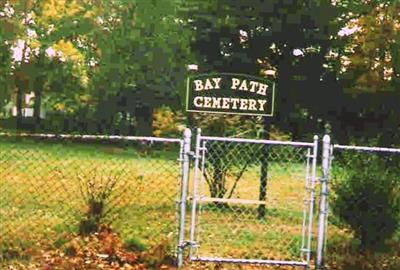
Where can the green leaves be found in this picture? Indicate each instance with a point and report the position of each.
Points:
(146, 48)
(365, 199)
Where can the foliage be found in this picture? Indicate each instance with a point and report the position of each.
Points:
(5, 72)
(168, 123)
(367, 198)
(83, 55)
(43, 53)
(365, 63)
(255, 36)
(142, 63)
(96, 190)
(104, 249)
(130, 57)
(370, 60)
(135, 244)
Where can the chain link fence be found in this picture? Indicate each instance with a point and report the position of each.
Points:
(364, 199)
(253, 201)
(54, 187)
(243, 200)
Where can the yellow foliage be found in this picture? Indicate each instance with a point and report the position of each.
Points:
(276, 134)
(28, 4)
(371, 48)
(59, 107)
(84, 98)
(98, 52)
(89, 14)
(70, 53)
(35, 44)
(57, 9)
(167, 123)
(73, 8)
(54, 9)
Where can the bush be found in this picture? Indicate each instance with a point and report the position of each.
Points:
(96, 190)
(367, 198)
(168, 123)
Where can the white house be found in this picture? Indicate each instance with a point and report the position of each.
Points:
(27, 107)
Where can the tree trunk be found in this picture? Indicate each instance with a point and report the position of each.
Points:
(144, 119)
(218, 189)
(21, 84)
(37, 107)
(20, 98)
(264, 171)
(38, 90)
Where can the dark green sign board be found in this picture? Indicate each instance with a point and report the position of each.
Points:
(229, 93)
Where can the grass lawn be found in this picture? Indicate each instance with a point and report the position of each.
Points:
(45, 188)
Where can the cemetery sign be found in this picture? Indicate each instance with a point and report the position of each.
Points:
(229, 93)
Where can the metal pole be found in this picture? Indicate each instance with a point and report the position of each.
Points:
(184, 191)
(306, 187)
(195, 190)
(312, 199)
(323, 209)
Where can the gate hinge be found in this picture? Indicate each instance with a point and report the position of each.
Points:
(192, 154)
(323, 180)
(188, 243)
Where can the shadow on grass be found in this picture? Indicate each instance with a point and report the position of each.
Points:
(343, 253)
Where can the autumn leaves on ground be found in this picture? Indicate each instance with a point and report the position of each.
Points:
(101, 250)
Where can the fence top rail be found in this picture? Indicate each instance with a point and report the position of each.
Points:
(367, 148)
(93, 137)
(242, 140)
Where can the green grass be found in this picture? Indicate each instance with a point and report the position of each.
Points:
(41, 188)
(41, 202)
(41, 198)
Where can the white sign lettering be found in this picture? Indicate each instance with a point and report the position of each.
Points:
(230, 93)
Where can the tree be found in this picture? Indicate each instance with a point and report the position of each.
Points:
(143, 59)
(292, 38)
(5, 69)
(40, 46)
(367, 68)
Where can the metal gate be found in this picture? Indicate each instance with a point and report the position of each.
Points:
(252, 201)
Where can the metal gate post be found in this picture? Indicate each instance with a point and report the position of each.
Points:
(184, 193)
(323, 209)
(195, 190)
(312, 199)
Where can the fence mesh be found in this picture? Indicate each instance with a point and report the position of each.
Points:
(254, 201)
(53, 189)
(364, 203)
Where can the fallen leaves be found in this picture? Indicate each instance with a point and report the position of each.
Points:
(101, 250)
